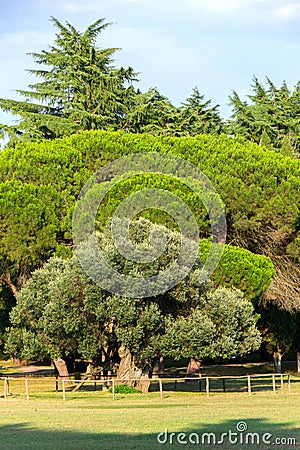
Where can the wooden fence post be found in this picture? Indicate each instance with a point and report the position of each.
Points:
(289, 383)
(5, 388)
(281, 382)
(27, 388)
(249, 385)
(160, 388)
(274, 383)
(207, 386)
(64, 389)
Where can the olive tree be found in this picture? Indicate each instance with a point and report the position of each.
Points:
(62, 313)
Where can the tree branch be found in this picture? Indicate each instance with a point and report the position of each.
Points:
(7, 281)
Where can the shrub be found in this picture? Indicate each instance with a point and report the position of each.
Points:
(124, 389)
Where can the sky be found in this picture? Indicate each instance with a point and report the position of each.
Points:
(175, 45)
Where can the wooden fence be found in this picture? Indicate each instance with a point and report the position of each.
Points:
(247, 383)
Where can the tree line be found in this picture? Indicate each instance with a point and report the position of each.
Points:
(80, 88)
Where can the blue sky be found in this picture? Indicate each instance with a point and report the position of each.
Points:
(175, 45)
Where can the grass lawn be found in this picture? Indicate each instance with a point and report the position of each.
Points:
(92, 420)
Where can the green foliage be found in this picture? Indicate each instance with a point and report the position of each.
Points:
(272, 117)
(222, 326)
(293, 249)
(197, 116)
(122, 187)
(286, 147)
(259, 188)
(38, 188)
(252, 182)
(239, 268)
(7, 301)
(124, 389)
(151, 112)
(28, 221)
(61, 312)
(38, 314)
(265, 141)
(80, 88)
(278, 327)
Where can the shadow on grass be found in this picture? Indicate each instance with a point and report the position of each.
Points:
(229, 434)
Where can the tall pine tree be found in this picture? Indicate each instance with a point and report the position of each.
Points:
(79, 88)
(197, 116)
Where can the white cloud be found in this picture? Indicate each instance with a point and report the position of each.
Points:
(217, 6)
(72, 7)
(269, 8)
(131, 12)
(88, 6)
(288, 11)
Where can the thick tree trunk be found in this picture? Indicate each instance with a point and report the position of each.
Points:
(193, 369)
(131, 375)
(298, 362)
(277, 356)
(125, 366)
(62, 369)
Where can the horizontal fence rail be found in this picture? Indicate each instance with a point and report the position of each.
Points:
(37, 386)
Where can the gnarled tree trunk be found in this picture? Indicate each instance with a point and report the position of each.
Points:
(193, 369)
(62, 370)
(130, 374)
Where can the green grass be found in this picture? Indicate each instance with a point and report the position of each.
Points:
(92, 420)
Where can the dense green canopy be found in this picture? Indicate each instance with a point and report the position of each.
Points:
(271, 118)
(259, 188)
(61, 312)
